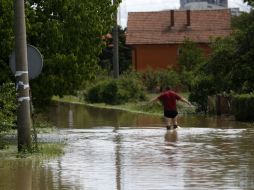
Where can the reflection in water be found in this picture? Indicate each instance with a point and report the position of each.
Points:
(118, 142)
(125, 153)
(70, 119)
(80, 116)
(171, 136)
(23, 178)
(66, 115)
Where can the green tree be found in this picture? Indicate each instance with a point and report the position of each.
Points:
(69, 35)
(250, 2)
(242, 71)
(221, 64)
(7, 38)
(7, 107)
(190, 59)
(124, 53)
(230, 66)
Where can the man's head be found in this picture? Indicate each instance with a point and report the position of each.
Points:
(167, 88)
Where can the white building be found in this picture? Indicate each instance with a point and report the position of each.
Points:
(203, 4)
(207, 4)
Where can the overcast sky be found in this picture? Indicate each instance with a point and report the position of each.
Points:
(157, 5)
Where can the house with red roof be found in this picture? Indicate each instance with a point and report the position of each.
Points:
(155, 37)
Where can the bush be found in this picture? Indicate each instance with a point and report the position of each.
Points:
(243, 106)
(125, 89)
(201, 89)
(7, 107)
(150, 80)
(153, 80)
(168, 78)
(131, 87)
(109, 93)
(93, 94)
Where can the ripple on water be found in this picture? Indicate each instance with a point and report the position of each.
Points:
(153, 159)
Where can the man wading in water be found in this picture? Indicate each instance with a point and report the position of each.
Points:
(168, 99)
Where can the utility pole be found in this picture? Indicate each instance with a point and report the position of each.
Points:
(115, 45)
(24, 122)
(1, 8)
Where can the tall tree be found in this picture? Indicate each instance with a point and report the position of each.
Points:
(230, 66)
(69, 35)
(190, 58)
(250, 2)
(7, 39)
(242, 72)
(124, 53)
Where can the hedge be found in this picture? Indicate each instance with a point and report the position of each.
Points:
(112, 91)
(243, 107)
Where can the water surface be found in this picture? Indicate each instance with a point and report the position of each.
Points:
(116, 150)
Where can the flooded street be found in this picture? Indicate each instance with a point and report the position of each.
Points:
(116, 150)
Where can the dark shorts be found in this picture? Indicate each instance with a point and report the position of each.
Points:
(170, 114)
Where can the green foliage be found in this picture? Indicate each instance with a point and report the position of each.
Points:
(242, 107)
(230, 66)
(124, 89)
(109, 92)
(69, 35)
(201, 89)
(150, 80)
(168, 78)
(213, 75)
(131, 87)
(159, 79)
(124, 52)
(242, 72)
(8, 107)
(250, 2)
(190, 55)
(190, 60)
(7, 39)
(94, 93)
(106, 58)
(221, 64)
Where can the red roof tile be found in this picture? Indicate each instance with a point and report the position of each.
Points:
(154, 27)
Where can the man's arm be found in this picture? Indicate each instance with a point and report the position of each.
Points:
(154, 99)
(185, 101)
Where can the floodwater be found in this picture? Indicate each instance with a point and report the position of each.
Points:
(116, 150)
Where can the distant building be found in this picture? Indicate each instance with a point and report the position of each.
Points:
(203, 4)
(206, 5)
(155, 37)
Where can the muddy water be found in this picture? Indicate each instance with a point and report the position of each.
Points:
(113, 150)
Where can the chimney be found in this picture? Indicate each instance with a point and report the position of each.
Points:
(188, 18)
(172, 19)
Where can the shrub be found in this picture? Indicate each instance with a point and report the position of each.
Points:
(150, 80)
(201, 89)
(168, 78)
(125, 89)
(160, 79)
(243, 106)
(93, 94)
(131, 87)
(109, 93)
(7, 107)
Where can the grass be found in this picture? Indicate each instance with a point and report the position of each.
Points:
(137, 107)
(45, 151)
(8, 149)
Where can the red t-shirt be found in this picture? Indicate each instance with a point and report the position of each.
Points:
(168, 99)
